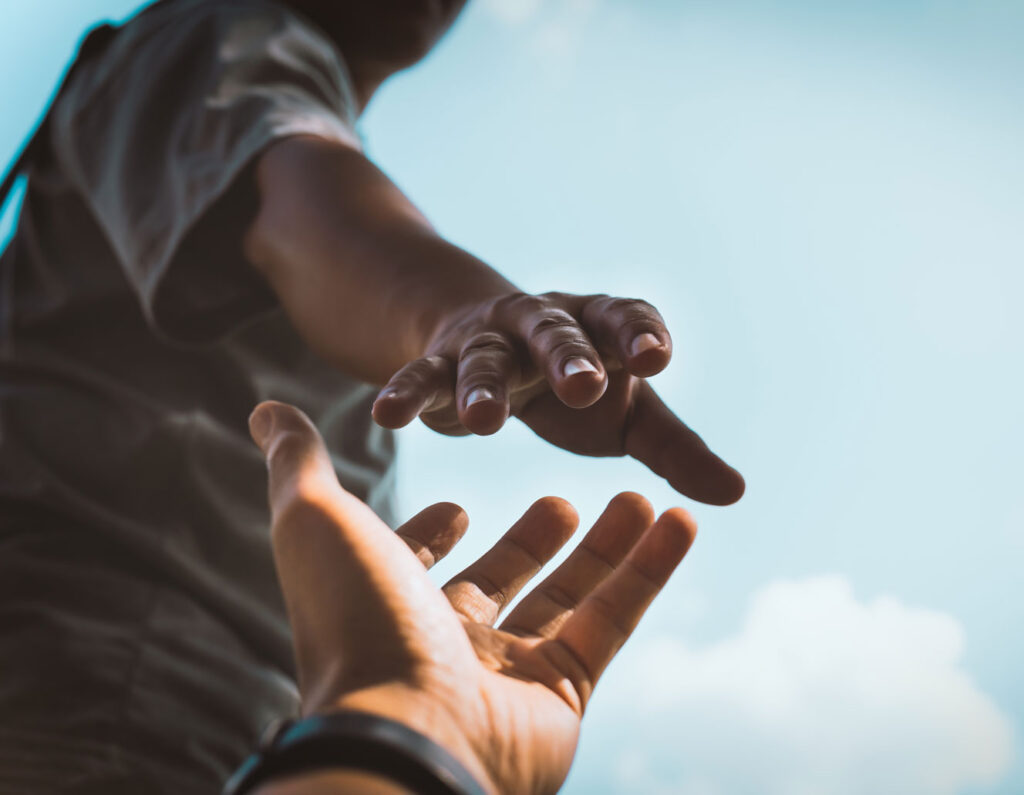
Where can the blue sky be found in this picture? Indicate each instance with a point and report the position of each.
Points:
(825, 200)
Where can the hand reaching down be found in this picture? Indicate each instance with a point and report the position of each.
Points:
(572, 368)
(372, 633)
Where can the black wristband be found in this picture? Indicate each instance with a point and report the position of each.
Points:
(354, 741)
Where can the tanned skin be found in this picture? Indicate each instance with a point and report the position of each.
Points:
(372, 287)
(372, 633)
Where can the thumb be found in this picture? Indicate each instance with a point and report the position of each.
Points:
(358, 599)
(297, 460)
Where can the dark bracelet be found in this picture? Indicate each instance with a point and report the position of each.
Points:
(354, 741)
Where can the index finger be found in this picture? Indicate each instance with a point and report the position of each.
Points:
(658, 438)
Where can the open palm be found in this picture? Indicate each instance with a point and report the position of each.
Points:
(373, 633)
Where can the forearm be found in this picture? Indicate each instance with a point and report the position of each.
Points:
(362, 275)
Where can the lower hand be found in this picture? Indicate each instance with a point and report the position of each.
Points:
(372, 633)
(572, 368)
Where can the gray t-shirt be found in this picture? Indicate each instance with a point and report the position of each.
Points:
(139, 609)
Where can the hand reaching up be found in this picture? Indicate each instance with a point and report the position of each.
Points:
(372, 633)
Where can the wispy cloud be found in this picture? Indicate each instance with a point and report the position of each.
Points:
(817, 693)
(514, 12)
(554, 27)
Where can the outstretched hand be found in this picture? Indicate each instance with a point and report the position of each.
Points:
(572, 368)
(372, 633)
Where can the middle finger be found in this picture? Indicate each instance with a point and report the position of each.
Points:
(547, 606)
(483, 590)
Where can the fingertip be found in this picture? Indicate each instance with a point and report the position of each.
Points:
(736, 488)
(642, 343)
(635, 505)
(484, 414)
(455, 518)
(723, 486)
(681, 524)
(664, 545)
(557, 513)
(452, 520)
(391, 410)
(581, 388)
(261, 423)
(456, 514)
(579, 365)
(649, 360)
(272, 418)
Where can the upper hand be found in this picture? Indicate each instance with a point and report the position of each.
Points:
(372, 633)
(572, 368)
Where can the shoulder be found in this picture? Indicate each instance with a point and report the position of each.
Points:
(193, 35)
(210, 52)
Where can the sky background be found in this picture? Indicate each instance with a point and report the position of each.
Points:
(826, 201)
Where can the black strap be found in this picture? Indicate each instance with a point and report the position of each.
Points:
(95, 41)
(354, 741)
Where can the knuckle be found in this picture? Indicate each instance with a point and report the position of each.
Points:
(421, 372)
(557, 345)
(636, 311)
(509, 308)
(598, 304)
(623, 306)
(613, 316)
(555, 297)
(487, 343)
(570, 348)
(556, 322)
(491, 380)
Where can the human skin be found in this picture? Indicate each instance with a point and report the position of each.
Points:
(372, 633)
(372, 288)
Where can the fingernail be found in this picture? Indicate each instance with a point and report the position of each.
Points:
(478, 394)
(261, 424)
(642, 343)
(390, 392)
(578, 365)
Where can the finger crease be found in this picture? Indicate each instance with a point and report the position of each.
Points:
(489, 588)
(559, 597)
(588, 678)
(597, 556)
(644, 575)
(608, 611)
(537, 562)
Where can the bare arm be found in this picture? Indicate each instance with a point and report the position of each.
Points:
(360, 271)
(377, 292)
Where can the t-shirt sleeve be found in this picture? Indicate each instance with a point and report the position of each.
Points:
(159, 135)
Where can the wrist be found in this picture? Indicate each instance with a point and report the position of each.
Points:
(476, 293)
(347, 747)
(422, 713)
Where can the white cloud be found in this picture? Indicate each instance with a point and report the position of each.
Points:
(817, 693)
